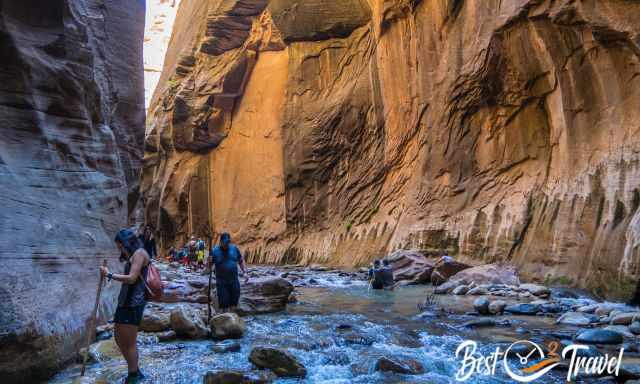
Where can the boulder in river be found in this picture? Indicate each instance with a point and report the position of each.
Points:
(402, 366)
(535, 289)
(635, 327)
(264, 295)
(523, 309)
(165, 336)
(410, 266)
(481, 322)
(497, 306)
(155, 322)
(599, 336)
(186, 322)
(621, 329)
(481, 305)
(460, 290)
(235, 377)
(485, 274)
(281, 362)
(445, 269)
(227, 326)
(625, 318)
(577, 318)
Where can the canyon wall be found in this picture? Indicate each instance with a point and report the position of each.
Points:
(338, 131)
(72, 124)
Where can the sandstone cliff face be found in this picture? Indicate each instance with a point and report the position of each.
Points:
(337, 131)
(72, 118)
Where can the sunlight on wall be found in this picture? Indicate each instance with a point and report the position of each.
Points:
(159, 20)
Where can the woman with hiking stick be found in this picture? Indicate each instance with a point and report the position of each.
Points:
(132, 299)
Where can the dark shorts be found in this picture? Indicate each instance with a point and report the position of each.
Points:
(129, 315)
(228, 293)
(377, 285)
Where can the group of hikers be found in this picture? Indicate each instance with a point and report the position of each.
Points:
(191, 254)
(137, 252)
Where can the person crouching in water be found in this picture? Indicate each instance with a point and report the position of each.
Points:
(132, 300)
(375, 276)
(387, 275)
(226, 257)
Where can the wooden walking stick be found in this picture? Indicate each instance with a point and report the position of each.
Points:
(210, 263)
(92, 321)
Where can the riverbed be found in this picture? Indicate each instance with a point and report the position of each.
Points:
(338, 329)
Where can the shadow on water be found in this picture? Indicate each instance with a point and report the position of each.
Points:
(338, 333)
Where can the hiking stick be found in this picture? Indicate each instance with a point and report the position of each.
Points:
(209, 292)
(92, 321)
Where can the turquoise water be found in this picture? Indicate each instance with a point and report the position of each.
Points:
(374, 324)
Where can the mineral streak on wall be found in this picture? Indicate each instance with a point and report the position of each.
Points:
(336, 131)
(72, 124)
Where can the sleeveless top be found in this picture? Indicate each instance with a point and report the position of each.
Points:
(133, 295)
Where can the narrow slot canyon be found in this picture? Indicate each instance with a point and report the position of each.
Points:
(487, 151)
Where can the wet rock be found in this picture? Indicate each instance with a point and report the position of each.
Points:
(264, 295)
(227, 326)
(535, 289)
(443, 271)
(104, 350)
(187, 322)
(460, 290)
(226, 346)
(293, 298)
(356, 338)
(155, 322)
(621, 329)
(523, 309)
(342, 327)
(481, 305)
(599, 336)
(635, 328)
(497, 306)
(481, 322)
(235, 377)
(478, 291)
(494, 274)
(577, 318)
(588, 308)
(182, 292)
(402, 366)
(281, 362)
(624, 318)
(410, 266)
(169, 335)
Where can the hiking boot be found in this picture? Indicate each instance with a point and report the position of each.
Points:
(134, 378)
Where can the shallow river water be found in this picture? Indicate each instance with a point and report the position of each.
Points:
(338, 332)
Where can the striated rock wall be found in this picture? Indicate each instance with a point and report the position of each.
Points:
(72, 118)
(338, 131)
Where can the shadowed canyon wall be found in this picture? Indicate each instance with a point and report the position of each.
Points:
(337, 131)
(72, 123)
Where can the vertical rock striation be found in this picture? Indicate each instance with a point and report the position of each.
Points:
(337, 131)
(72, 118)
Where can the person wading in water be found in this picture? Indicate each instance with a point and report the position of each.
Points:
(131, 300)
(149, 242)
(226, 257)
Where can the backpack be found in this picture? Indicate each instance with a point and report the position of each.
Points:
(153, 284)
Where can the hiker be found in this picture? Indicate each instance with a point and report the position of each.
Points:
(131, 300)
(200, 246)
(226, 258)
(375, 276)
(149, 241)
(173, 254)
(191, 245)
(387, 275)
(184, 256)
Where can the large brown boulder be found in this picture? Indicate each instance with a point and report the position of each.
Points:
(410, 267)
(264, 295)
(281, 362)
(187, 322)
(227, 326)
(483, 274)
(446, 268)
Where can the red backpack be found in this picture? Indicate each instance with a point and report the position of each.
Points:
(153, 283)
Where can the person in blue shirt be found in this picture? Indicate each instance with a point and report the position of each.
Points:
(226, 258)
